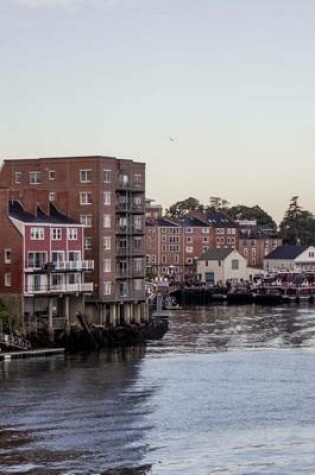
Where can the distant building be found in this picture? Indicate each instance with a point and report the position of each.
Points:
(290, 259)
(216, 266)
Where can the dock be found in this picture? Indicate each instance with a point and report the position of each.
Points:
(11, 355)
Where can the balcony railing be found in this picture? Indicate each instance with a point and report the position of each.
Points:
(129, 273)
(130, 208)
(73, 266)
(129, 251)
(61, 266)
(128, 185)
(121, 229)
(58, 289)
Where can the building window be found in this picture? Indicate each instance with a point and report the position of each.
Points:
(107, 222)
(17, 177)
(72, 234)
(311, 254)
(137, 179)
(107, 265)
(107, 176)
(163, 259)
(137, 285)
(56, 234)
(51, 174)
(189, 260)
(85, 198)
(189, 239)
(205, 239)
(188, 230)
(107, 243)
(52, 196)
(34, 178)
(107, 198)
(7, 280)
(37, 234)
(235, 264)
(176, 259)
(107, 288)
(189, 249)
(86, 220)
(7, 256)
(74, 278)
(205, 248)
(58, 256)
(88, 242)
(85, 176)
(137, 222)
(36, 259)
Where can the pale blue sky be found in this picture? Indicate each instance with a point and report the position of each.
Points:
(233, 81)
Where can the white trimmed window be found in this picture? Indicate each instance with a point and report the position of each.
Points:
(52, 196)
(107, 176)
(107, 243)
(17, 177)
(107, 222)
(189, 249)
(34, 178)
(72, 234)
(88, 242)
(86, 220)
(107, 265)
(56, 234)
(7, 279)
(137, 179)
(137, 284)
(37, 234)
(107, 198)
(85, 176)
(51, 174)
(107, 288)
(85, 198)
(7, 256)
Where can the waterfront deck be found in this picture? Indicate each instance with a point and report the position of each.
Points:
(10, 355)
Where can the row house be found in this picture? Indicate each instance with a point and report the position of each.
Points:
(174, 245)
(44, 276)
(256, 242)
(107, 196)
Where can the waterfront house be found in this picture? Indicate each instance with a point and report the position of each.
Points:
(290, 259)
(216, 266)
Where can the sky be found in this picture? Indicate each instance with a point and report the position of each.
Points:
(216, 96)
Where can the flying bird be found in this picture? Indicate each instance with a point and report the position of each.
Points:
(172, 139)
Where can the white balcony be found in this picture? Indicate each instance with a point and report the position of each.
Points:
(62, 266)
(46, 289)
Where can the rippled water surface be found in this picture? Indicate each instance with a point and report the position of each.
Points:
(228, 390)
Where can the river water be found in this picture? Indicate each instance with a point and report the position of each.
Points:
(227, 391)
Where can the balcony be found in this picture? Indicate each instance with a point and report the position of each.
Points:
(47, 289)
(61, 266)
(123, 274)
(128, 185)
(129, 208)
(129, 251)
(73, 266)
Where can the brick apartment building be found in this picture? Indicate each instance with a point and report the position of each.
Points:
(107, 196)
(43, 274)
(174, 245)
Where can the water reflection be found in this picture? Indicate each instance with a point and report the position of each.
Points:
(197, 401)
(223, 328)
(88, 407)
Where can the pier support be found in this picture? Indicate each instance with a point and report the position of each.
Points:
(50, 320)
(67, 315)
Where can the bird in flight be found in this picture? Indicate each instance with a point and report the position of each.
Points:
(172, 139)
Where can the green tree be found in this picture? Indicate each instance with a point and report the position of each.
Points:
(216, 202)
(298, 225)
(251, 212)
(181, 207)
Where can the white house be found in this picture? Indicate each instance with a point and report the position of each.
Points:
(220, 265)
(290, 258)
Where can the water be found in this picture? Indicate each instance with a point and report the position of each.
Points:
(228, 391)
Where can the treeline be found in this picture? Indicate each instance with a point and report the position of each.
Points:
(297, 226)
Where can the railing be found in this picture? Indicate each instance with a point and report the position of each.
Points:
(61, 288)
(14, 342)
(62, 266)
(74, 266)
(128, 185)
(129, 251)
(130, 207)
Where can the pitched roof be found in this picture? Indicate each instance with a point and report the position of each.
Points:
(216, 254)
(17, 211)
(286, 252)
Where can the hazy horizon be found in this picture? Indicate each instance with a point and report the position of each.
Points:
(215, 96)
